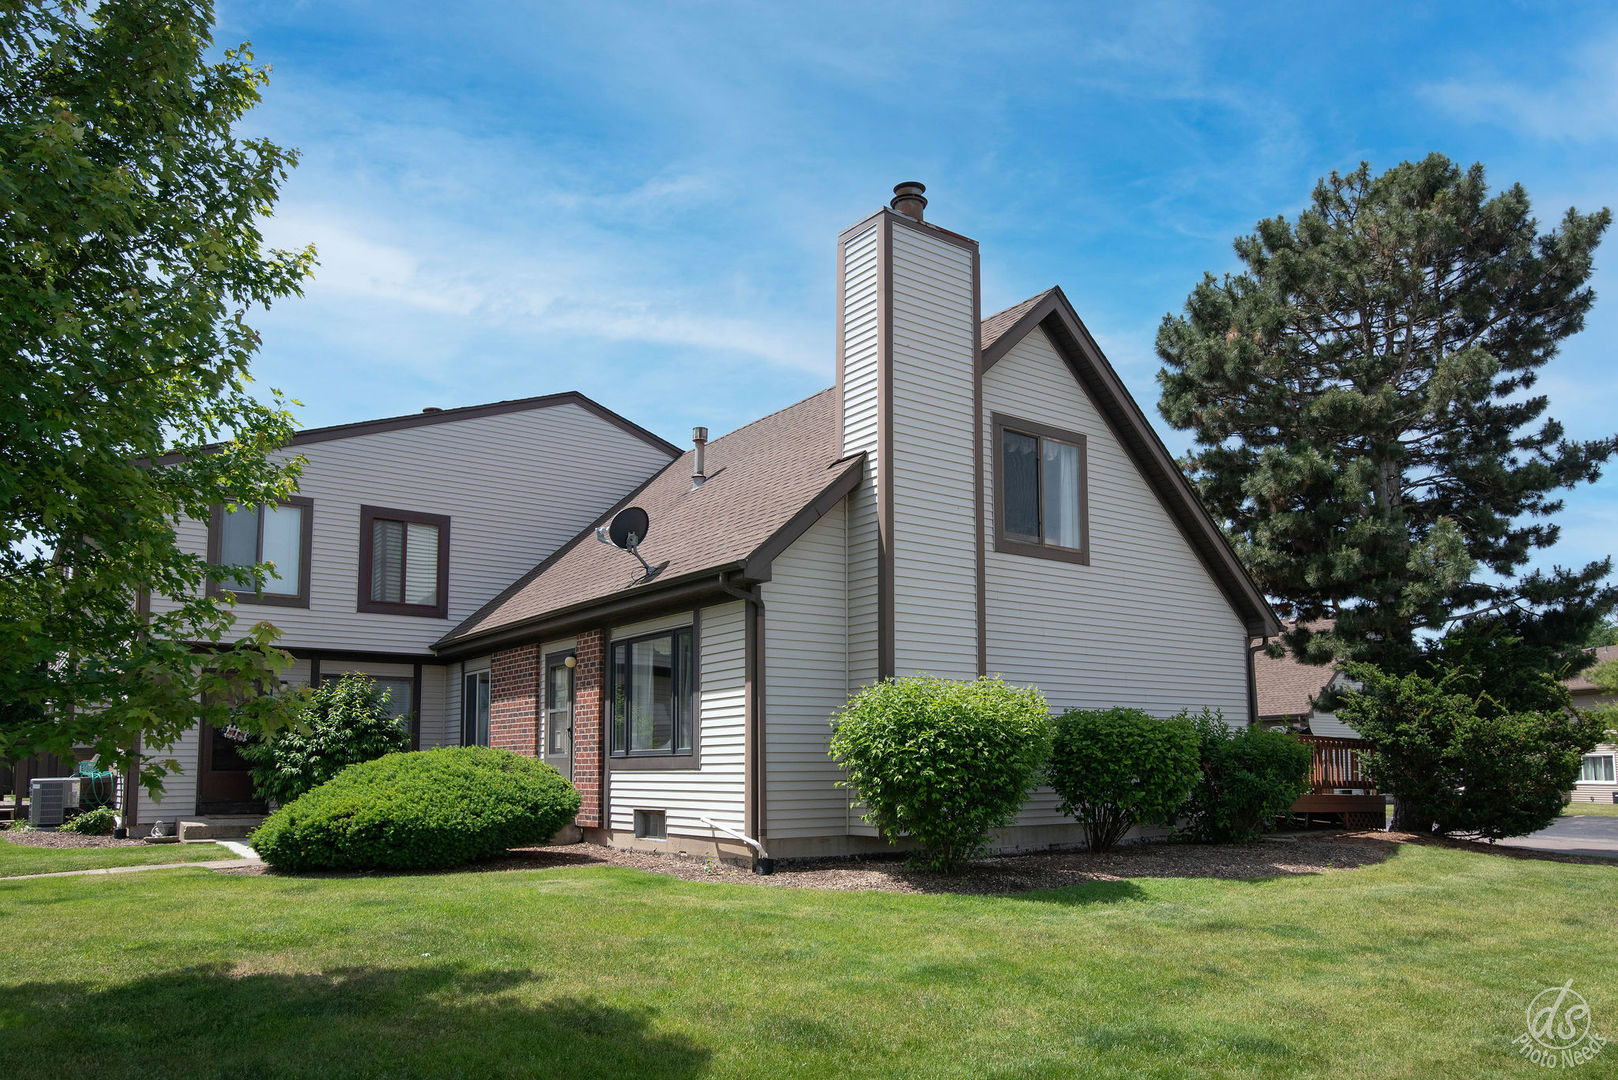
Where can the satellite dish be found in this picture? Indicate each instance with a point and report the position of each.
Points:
(626, 532)
(628, 528)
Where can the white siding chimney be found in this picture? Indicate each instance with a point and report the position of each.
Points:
(907, 345)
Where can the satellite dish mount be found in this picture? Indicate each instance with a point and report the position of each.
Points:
(627, 530)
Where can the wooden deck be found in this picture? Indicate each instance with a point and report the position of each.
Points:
(1338, 785)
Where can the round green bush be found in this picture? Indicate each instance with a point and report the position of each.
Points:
(1117, 768)
(428, 809)
(942, 762)
(1251, 776)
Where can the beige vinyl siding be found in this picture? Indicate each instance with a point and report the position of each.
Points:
(514, 485)
(861, 333)
(935, 543)
(179, 798)
(717, 788)
(1144, 624)
(805, 682)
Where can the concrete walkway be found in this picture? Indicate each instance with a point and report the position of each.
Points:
(217, 863)
(1597, 836)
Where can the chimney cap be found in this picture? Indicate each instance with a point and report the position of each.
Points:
(908, 198)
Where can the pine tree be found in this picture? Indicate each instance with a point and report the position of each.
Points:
(1361, 400)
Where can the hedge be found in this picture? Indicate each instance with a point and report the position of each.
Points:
(428, 809)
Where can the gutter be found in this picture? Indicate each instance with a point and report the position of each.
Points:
(1252, 680)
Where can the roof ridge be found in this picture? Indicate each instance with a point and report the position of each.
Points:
(1020, 303)
(767, 416)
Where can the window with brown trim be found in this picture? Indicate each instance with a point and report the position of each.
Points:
(653, 699)
(1041, 491)
(404, 562)
(279, 535)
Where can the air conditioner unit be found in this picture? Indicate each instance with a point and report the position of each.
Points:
(48, 799)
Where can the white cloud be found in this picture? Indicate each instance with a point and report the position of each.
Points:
(1580, 106)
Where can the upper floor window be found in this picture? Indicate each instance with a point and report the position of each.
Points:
(277, 534)
(404, 562)
(653, 679)
(1041, 493)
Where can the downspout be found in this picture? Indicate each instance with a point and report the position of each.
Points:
(754, 741)
(1252, 680)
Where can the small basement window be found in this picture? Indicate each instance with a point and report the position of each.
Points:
(651, 825)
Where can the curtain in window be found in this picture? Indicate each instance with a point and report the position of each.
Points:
(283, 540)
(238, 543)
(1061, 479)
(387, 561)
(1597, 769)
(1019, 461)
(421, 564)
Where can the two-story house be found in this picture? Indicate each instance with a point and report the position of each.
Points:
(973, 496)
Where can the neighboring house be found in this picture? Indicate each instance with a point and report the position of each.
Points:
(1288, 692)
(1598, 774)
(972, 496)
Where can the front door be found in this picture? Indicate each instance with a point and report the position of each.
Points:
(557, 738)
(223, 783)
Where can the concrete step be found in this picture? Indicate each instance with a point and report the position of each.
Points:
(231, 828)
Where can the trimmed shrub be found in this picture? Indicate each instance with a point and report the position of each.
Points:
(1250, 778)
(344, 723)
(424, 810)
(98, 822)
(941, 762)
(1460, 763)
(1117, 768)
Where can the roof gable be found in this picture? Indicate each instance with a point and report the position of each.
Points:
(767, 482)
(1051, 312)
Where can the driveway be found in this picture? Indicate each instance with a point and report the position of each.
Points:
(1596, 836)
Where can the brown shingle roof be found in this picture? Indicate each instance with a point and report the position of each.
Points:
(992, 328)
(762, 479)
(1288, 686)
(1580, 683)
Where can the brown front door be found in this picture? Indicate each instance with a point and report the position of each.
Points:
(223, 783)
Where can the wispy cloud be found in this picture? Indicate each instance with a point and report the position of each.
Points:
(1578, 104)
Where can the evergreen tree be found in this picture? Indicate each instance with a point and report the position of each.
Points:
(1361, 400)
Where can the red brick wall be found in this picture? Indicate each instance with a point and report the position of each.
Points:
(514, 684)
(589, 725)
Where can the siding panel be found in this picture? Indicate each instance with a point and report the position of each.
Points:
(717, 788)
(1144, 624)
(861, 335)
(935, 542)
(806, 681)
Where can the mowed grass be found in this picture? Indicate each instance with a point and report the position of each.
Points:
(16, 859)
(1588, 809)
(1418, 967)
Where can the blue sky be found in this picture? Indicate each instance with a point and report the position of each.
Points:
(641, 201)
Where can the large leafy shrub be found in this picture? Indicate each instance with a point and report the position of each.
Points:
(942, 762)
(344, 723)
(98, 822)
(1117, 768)
(423, 810)
(1250, 777)
(1457, 761)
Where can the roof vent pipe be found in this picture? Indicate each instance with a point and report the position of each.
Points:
(699, 441)
(908, 198)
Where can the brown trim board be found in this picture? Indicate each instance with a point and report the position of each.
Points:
(999, 424)
(1055, 315)
(464, 412)
(884, 449)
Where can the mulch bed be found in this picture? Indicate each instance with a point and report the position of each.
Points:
(1281, 856)
(999, 875)
(32, 838)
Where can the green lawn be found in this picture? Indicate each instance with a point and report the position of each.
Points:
(1418, 967)
(21, 859)
(1591, 809)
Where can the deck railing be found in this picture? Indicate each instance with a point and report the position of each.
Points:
(1338, 764)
